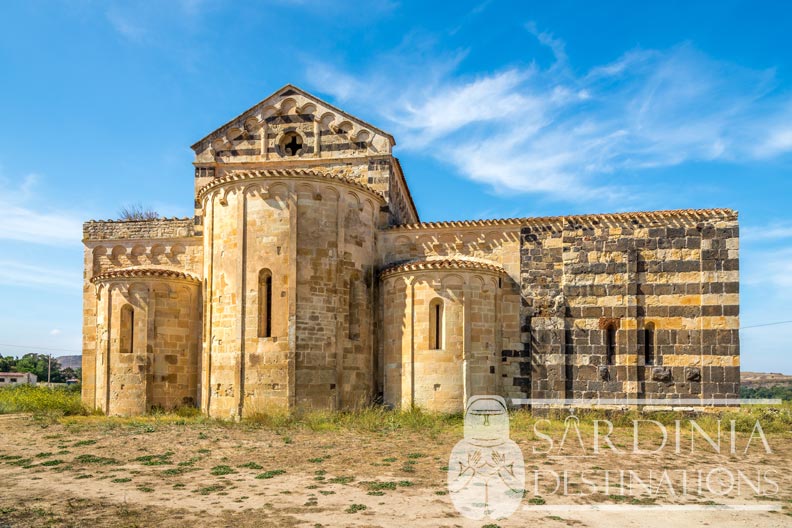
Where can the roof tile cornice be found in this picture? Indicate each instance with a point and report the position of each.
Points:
(145, 273)
(441, 264)
(542, 220)
(250, 175)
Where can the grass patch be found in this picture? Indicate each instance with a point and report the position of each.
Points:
(251, 465)
(354, 508)
(378, 486)
(121, 480)
(93, 459)
(270, 474)
(209, 489)
(218, 471)
(156, 460)
(341, 480)
(53, 462)
(84, 443)
(371, 419)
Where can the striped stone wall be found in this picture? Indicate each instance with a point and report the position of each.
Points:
(666, 285)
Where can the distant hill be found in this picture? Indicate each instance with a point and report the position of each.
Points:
(73, 362)
(764, 379)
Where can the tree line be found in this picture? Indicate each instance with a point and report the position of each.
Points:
(782, 392)
(38, 364)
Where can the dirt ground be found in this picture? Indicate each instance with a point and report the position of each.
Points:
(90, 472)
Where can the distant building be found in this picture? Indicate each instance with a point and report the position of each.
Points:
(17, 378)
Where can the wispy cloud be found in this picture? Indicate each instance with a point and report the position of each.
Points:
(770, 267)
(769, 233)
(21, 274)
(126, 24)
(137, 20)
(23, 220)
(553, 131)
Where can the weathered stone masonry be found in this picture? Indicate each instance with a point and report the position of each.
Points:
(305, 279)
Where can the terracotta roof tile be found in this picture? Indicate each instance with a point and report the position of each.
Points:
(441, 264)
(604, 217)
(136, 273)
(242, 175)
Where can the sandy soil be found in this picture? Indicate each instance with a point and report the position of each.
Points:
(53, 474)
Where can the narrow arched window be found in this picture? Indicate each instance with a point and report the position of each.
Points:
(356, 304)
(265, 303)
(436, 324)
(649, 344)
(610, 343)
(127, 330)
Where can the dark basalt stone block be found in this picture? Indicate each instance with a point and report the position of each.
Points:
(692, 374)
(662, 374)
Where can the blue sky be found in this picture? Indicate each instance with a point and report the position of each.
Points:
(499, 109)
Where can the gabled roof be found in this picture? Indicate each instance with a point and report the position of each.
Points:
(286, 91)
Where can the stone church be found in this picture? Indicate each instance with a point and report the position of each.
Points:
(306, 279)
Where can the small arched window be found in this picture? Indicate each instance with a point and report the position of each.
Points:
(291, 144)
(127, 330)
(265, 303)
(610, 343)
(436, 324)
(649, 344)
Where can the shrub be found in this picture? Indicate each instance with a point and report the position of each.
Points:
(40, 400)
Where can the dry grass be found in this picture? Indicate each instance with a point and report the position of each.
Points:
(306, 468)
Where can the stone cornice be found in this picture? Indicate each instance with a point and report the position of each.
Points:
(162, 219)
(693, 214)
(158, 228)
(252, 175)
(145, 273)
(444, 264)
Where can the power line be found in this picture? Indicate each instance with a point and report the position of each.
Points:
(40, 348)
(765, 324)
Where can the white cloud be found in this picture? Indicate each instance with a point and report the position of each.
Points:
(21, 221)
(55, 332)
(125, 25)
(551, 131)
(768, 233)
(138, 21)
(21, 274)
